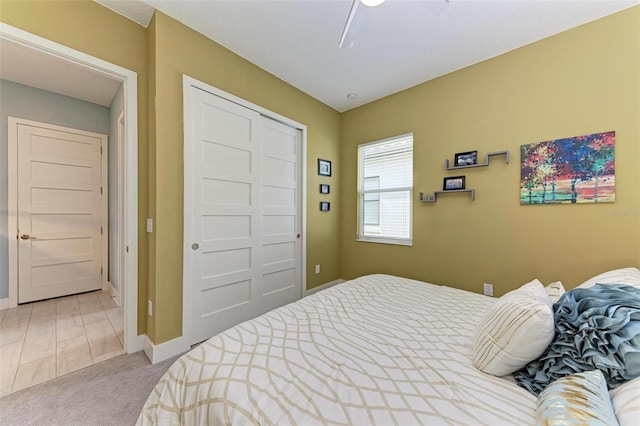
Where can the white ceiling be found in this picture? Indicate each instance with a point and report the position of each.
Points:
(399, 44)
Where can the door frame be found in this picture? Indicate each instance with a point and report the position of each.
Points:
(120, 214)
(12, 183)
(129, 172)
(187, 84)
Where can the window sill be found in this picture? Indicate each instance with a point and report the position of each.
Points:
(385, 241)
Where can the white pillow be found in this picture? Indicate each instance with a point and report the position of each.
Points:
(516, 330)
(630, 276)
(555, 290)
(626, 402)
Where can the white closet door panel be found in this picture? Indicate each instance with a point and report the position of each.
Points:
(276, 285)
(225, 210)
(278, 173)
(238, 129)
(273, 196)
(224, 215)
(223, 300)
(285, 265)
(218, 156)
(279, 239)
(208, 247)
(280, 224)
(225, 227)
(217, 192)
(225, 280)
(278, 252)
(279, 140)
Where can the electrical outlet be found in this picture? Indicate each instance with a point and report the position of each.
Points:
(150, 308)
(149, 225)
(488, 289)
(317, 269)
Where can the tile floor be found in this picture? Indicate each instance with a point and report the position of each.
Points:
(43, 340)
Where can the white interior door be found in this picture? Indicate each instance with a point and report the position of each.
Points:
(280, 225)
(60, 208)
(241, 214)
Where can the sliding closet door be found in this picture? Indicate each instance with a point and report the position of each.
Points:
(225, 211)
(242, 254)
(280, 225)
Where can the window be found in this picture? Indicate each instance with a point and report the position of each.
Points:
(385, 185)
(371, 201)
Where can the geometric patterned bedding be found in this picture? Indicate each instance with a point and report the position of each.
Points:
(375, 350)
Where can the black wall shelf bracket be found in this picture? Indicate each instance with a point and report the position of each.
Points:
(433, 198)
(485, 164)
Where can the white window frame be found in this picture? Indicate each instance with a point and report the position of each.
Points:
(360, 201)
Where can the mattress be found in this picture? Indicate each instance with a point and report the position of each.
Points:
(379, 349)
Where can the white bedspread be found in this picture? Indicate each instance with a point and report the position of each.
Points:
(375, 350)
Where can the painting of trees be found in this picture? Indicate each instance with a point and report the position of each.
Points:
(580, 169)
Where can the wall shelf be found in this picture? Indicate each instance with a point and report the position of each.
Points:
(433, 198)
(485, 164)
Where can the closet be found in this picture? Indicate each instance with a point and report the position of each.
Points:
(243, 213)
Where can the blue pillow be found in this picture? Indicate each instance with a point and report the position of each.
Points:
(597, 328)
(577, 399)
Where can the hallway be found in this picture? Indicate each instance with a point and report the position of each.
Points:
(43, 340)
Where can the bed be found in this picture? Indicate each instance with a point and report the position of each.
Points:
(379, 349)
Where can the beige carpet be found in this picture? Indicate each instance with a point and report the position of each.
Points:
(109, 393)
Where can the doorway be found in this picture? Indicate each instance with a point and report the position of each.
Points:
(128, 171)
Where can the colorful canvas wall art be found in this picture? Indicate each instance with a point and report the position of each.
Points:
(580, 169)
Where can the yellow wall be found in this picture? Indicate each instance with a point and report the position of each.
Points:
(92, 29)
(583, 81)
(180, 50)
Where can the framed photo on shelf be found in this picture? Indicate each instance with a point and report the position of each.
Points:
(325, 206)
(466, 159)
(324, 188)
(324, 167)
(453, 183)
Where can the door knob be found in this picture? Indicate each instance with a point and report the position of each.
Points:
(27, 237)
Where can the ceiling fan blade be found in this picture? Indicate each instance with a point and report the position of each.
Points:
(352, 26)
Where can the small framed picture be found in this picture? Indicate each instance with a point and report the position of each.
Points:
(453, 183)
(324, 188)
(324, 167)
(325, 206)
(466, 158)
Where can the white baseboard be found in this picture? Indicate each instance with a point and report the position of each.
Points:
(4, 304)
(114, 293)
(137, 344)
(166, 350)
(323, 287)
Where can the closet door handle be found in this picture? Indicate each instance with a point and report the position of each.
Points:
(27, 237)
